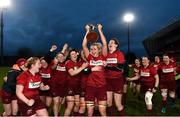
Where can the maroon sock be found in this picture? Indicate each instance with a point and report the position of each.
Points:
(164, 102)
(96, 112)
(75, 114)
(149, 112)
(124, 98)
(82, 114)
(110, 110)
(122, 112)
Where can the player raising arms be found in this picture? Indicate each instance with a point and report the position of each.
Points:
(96, 83)
(59, 79)
(114, 76)
(46, 73)
(27, 92)
(149, 82)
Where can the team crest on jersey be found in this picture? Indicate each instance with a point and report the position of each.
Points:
(169, 70)
(145, 74)
(96, 63)
(33, 85)
(43, 75)
(111, 60)
(59, 68)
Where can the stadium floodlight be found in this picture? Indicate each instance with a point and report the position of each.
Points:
(128, 17)
(4, 3)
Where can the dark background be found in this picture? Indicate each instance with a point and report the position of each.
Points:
(32, 26)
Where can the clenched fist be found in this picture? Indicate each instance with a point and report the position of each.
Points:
(30, 102)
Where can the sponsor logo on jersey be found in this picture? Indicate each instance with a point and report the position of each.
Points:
(111, 60)
(43, 75)
(96, 63)
(59, 68)
(33, 85)
(168, 70)
(145, 74)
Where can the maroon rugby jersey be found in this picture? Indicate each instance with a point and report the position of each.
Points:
(73, 65)
(96, 78)
(156, 65)
(167, 71)
(60, 74)
(178, 69)
(31, 84)
(46, 75)
(147, 74)
(135, 69)
(113, 59)
(83, 76)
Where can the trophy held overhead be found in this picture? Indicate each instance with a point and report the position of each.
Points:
(92, 36)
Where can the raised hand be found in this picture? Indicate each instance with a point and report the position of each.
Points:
(99, 26)
(53, 48)
(65, 46)
(87, 27)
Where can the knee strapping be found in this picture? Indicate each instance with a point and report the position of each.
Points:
(102, 105)
(148, 98)
(90, 104)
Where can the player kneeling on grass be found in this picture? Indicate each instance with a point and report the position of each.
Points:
(27, 92)
(9, 98)
(149, 82)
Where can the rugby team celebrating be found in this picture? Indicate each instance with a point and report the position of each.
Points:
(85, 81)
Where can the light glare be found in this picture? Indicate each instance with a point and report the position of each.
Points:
(129, 17)
(4, 3)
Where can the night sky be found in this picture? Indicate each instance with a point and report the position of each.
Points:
(37, 24)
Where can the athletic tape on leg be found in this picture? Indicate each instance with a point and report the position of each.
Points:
(148, 98)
